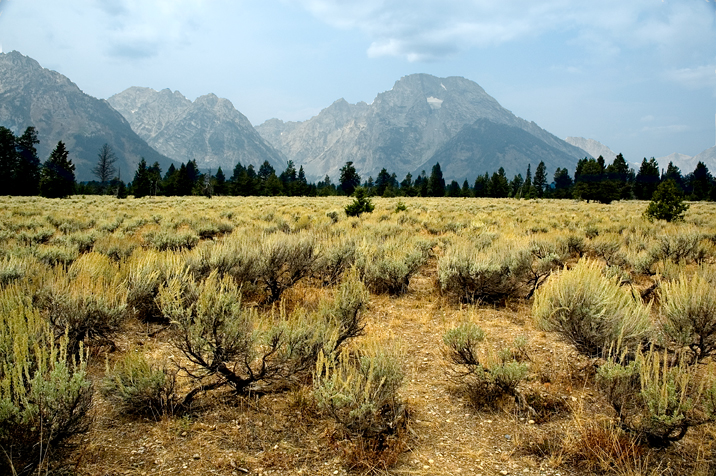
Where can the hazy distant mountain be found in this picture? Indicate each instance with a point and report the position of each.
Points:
(33, 96)
(685, 163)
(209, 130)
(402, 129)
(708, 157)
(479, 146)
(593, 148)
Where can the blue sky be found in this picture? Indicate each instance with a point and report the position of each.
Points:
(637, 75)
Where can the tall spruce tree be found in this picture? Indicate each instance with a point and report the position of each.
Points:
(27, 172)
(142, 184)
(436, 182)
(540, 181)
(57, 178)
(647, 179)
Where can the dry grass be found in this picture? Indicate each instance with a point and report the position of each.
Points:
(571, 431)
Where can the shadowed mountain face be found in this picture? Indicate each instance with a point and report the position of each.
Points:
(33, 96)
(209, 130)
(403, 129)
(485, 146)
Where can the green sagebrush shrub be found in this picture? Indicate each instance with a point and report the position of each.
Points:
(228, 343)
(359, 390)
(497, 272)
(334, 259)
(387, 267)
(486, 377)
(591, 311)
(86, 303)
(688, 306)
(45, 394)
(279, 262)
(139, 387)
(653, 399)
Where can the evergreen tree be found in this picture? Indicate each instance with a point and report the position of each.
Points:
(700, 182)
(436, 182)
(303, 189)
(325, 187)
(349, 179)
(667, 203)
(288, 179)
(673, 173)
(8, 161)
(527, 190)
(516, 186)
(591, 183)
(453, 190)
(169, 183)
(220, 185)
(562, 183)
(141, 185)
(155, 178)
(540, 181)
(27, 172)
(465, 192)
(499, 186)
(621, 176)
(57, 177)
(647, 179)
(360, 205)
(382, 182)
(406, 186)
(183, 183)
(482, 186)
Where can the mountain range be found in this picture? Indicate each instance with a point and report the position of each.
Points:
(209, 130)
(421, 121)
(31, 95)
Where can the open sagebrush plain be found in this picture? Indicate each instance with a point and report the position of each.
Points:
(430, 337)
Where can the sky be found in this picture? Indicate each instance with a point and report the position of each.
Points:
(637, 75)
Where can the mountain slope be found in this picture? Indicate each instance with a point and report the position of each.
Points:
(33, 96)
(400, 130)
(209, 130)
(593, 148)
(708, 157)
(485, 146)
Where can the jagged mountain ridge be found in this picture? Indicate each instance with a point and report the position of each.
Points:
(400, 130)
(209, 130)
(31, 95)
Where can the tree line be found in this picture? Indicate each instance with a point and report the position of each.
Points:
(22, 173)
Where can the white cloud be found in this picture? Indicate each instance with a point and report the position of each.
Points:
(431, 29)
(141, 28)
(694, 78)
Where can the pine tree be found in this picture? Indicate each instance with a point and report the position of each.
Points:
(27, 172)
(220, 187)
(667, 203)
(349, 179)
(57, 178)
(647, 179)
(141, 185)
(436, 182)
(540, 180)
(8, 161)
(700, 182)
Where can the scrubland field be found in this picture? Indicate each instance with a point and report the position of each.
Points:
(279, 336)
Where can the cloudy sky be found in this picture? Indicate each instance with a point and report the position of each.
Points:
(637, 75)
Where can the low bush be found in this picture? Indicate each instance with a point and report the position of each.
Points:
(688, 306)
(228, 343)
(359, 390)
(487, 378)
(138, 387)
(45, 394)
(284, 261)
(388, 267)
(498, 272)
(590, 311)
(82, 306)
(334, 260)
(652, 399)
